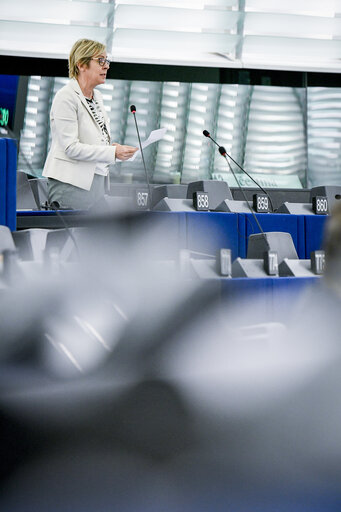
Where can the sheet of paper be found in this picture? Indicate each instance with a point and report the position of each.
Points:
(154, 136)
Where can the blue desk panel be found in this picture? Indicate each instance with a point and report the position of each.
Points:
(209, 231)
(3, 180)
(11, 184)
(314, 229)
(275, 297)
(8, 182)
(293, 224)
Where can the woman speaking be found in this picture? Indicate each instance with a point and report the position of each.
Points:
(77, 165)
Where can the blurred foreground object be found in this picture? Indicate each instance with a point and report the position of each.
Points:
(124, 386)
(332, 246)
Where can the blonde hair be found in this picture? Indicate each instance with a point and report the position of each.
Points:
(81, 53)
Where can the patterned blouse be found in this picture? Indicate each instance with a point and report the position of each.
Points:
(98, 115)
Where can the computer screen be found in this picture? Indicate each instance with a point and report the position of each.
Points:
(8, 97)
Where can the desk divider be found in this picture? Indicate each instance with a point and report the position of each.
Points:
(242, 237)
(278, 222)
(8, 183)
(3, 180)
(314, 227)
(11, 184)
(301, 236)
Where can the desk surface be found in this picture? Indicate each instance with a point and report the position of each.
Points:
(201, 231)
(49, 219)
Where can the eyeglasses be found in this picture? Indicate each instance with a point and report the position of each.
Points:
(102, 61)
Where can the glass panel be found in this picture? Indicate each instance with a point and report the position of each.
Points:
(324, 136)
(34, 136)
(231, 124)
(198, 150)
(173, 116)
(58, 83)
(146, 97)
(262, 128)
(275, 140)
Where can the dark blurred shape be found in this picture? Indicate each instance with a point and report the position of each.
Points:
(152, 419)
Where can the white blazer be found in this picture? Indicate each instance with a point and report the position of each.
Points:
(77, 144)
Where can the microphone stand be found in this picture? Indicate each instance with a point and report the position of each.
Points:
(133, 111)
(207, 134)
(223, 153)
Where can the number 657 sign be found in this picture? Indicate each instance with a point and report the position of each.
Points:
(142, 199)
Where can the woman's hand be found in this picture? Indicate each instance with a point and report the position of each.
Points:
(124, 152)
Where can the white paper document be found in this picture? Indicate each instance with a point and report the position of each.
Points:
(154, 136)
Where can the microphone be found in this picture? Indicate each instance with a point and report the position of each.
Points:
(224, 153)
(133, 111)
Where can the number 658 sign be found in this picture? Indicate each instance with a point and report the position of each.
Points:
(200, 201)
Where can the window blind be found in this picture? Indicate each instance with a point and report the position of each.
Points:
(296, 34)
(48, 28)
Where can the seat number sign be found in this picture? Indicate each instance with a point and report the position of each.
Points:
(261, 203)
(142, 199)
(320, 205)
(200, 201)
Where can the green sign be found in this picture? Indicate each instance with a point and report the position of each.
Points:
(4, 116)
